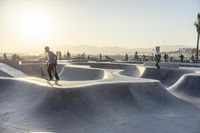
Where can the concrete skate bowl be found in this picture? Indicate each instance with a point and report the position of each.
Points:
(3, 74)
(81, 74)
(127, 69)
(95, 108)
(166, 76)
(31, 69)
(188, 84)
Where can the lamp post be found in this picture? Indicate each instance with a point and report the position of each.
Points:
(197, 24)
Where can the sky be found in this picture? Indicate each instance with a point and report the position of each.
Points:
(28, 24)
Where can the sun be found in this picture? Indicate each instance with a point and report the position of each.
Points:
(35, 26)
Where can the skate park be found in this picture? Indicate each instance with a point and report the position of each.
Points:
(99, 66)
(100, 97)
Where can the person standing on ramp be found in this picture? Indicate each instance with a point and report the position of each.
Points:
(157, 59)
(51, 64)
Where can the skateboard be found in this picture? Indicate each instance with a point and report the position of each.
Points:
(43, 75)
(53, 84)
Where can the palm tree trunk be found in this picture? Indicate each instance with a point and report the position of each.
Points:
(197, 50)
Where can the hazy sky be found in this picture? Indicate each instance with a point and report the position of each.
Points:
(26, 24)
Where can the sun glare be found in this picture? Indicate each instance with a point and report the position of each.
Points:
(35, 26)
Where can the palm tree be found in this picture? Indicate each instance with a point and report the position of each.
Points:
(197, 24)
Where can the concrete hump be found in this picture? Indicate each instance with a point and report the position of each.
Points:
(94, 97)
(101, 98)
(131, 70)
(127, 69)
(188, 84)
(166, 76)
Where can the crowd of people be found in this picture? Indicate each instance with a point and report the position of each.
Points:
(135, 57)
(13, 57)
(161, 57)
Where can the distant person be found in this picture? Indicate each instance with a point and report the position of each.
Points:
(157, 60)
(181, 57)
(109, 58)
(68, 55)
(100, 56)
(152, 58)
(165, 57)
(192, 59)
(143, 57)
(78, 57)
(14, 56)
(51, 63)
(83, 56)
(136, 55)
(5, 56)
(171, 59)
(126, 57)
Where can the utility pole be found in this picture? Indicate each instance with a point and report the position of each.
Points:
(197, 24)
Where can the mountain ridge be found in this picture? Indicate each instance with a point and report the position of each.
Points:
(89, 49)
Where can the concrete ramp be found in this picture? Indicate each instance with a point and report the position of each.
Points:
(167, 76)
(131, 70)
(188, 84)
(3, 74)
(10, 71)
(106, 107)
(80, 74)
(87, 102)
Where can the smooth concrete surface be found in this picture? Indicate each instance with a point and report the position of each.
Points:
(79, 74)
(167, 76)
(10, 71)
(188, 84)
(103, 99)
(4, 74)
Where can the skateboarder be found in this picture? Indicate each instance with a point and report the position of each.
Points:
(157, 59)
(51, 64)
